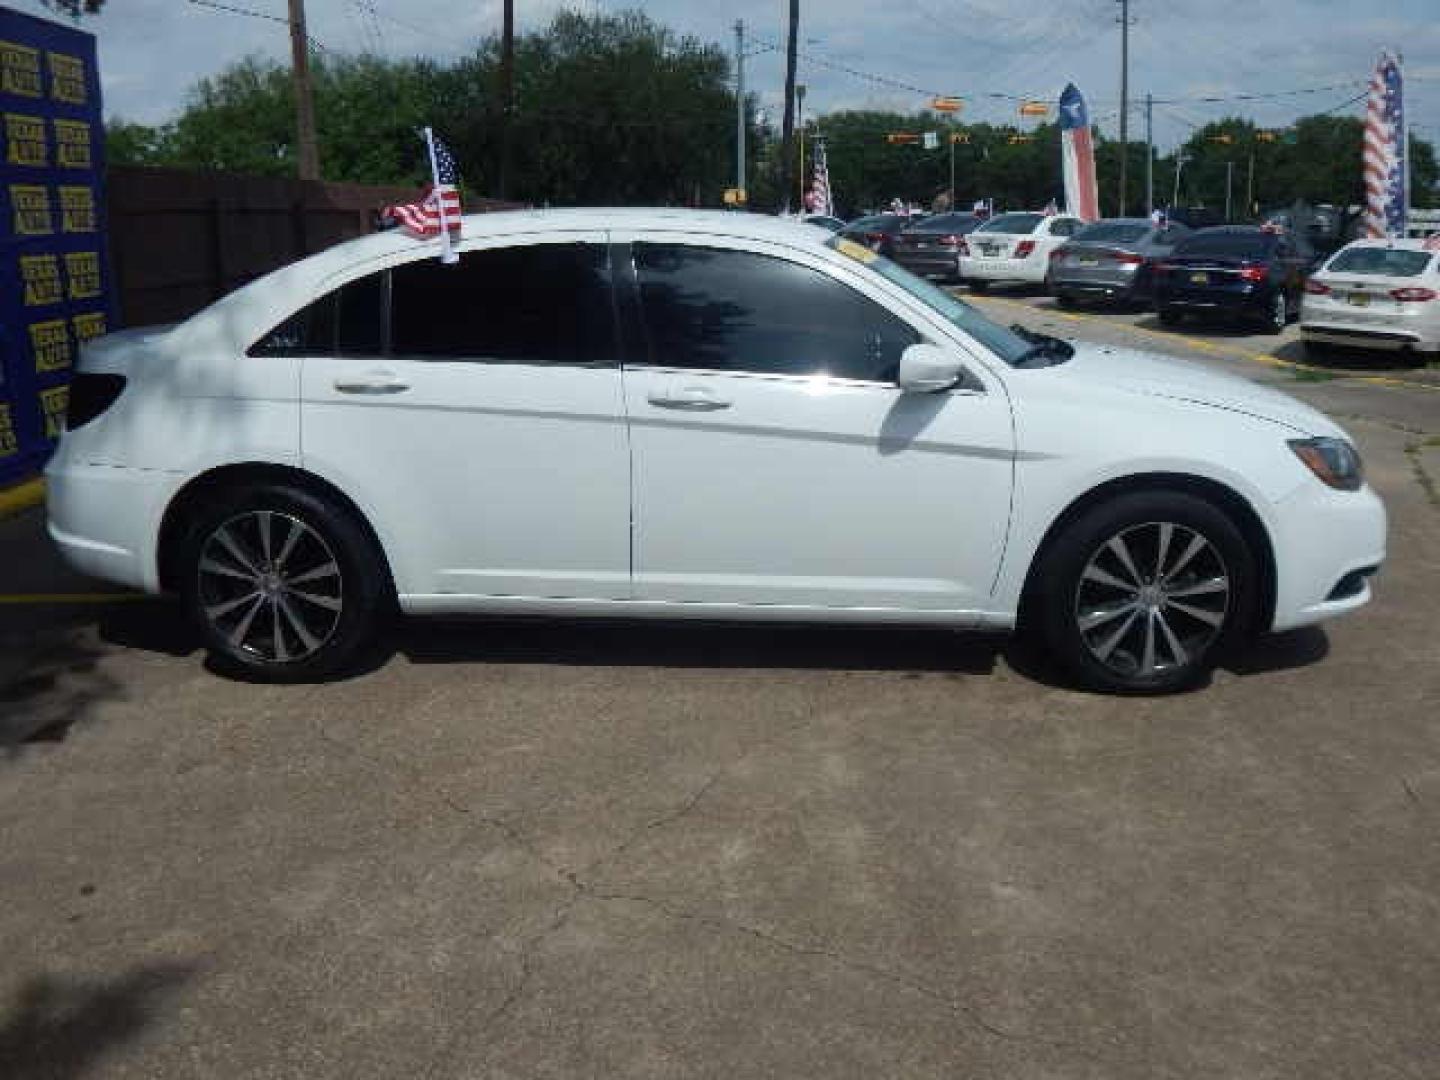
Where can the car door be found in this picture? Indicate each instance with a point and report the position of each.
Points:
(475, 413)
(776, 462)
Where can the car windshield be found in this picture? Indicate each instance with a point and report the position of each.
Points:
(1235, 245)
(1018, 224)
(1121, 232)
(945, 223)
(1387, 262)
(1006, 344)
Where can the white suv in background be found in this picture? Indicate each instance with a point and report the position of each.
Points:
(674, 414)
(1014, 247)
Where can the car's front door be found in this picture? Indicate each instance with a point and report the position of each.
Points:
(475, 412)
(776, 462)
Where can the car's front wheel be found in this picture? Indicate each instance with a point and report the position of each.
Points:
(1170, 316)
(1277, 313)
(282, 584)
(1143, 593)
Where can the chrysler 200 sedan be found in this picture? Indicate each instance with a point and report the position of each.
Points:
(680, 415)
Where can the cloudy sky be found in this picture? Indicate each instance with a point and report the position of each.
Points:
(152, 51)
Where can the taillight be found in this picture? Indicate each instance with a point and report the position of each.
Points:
(951, 241)
(1129, 258)
(1316, 288)
(1024, 248)
(875, 239)
(1058, 253)
(1254, 273)
(91, 395)
(1412, 294)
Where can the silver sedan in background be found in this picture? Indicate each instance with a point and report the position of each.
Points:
(1112, 260)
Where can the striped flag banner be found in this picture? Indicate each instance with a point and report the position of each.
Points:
(1384, 155)
(823, 203)
(1077, 156)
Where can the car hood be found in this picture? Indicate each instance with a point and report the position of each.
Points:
(1149, 374)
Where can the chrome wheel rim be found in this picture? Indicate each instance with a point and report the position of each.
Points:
(1277, 311)
(1152, 599)
(270, 586)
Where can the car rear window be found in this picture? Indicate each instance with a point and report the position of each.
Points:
(1123, 232)
(1386, 262)
(1018, 224)
(1233, 245)
(876, 223)
(945, 223)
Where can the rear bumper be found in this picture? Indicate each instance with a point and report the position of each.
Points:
(1367, 337)
(1236, 305)
(982, 269)
(104, 519)
(930, 264)
(1110, 290)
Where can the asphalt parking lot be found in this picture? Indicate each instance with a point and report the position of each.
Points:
(534, 849)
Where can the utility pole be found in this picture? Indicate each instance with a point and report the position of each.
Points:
(740, 105)
(1149, 154)
(1179, 161)
(1229, 173)
(309, 154)
(952, 171)
(1250, 186)
(507, 94)
(800, 131)
(1124, 99)
(787, 127)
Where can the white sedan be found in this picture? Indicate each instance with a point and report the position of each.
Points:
(687, 415)
(1014, 247)
(1375, 294)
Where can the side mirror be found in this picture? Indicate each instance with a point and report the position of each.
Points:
(927, 369)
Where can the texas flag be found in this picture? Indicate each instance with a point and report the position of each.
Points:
(1077, 152)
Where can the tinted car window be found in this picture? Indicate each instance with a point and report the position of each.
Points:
(1063, 228)
(1228, 244)
(1115, 232)
(347, 320)
(946, 223)
(738, 311)
(1390, 262)
(540, 304)
(877, 223)
(1013, 223)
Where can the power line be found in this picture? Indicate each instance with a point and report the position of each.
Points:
(255, 15)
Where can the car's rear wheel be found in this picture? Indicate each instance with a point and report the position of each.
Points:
(1144, 593)
(282, 584)
(1169, 316)
(976, 285)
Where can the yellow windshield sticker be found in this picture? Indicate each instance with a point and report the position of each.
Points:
(858, 252)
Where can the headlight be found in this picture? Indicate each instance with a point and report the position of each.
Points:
(1334, 461)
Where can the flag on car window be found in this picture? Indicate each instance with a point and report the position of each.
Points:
(438, 209)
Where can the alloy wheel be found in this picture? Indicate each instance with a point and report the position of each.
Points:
(1152, 599)
(270, 585)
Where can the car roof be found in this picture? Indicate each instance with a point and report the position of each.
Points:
(1403, 243)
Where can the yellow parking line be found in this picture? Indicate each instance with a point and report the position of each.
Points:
(1201, 344)
(21, 496)
(19, 599)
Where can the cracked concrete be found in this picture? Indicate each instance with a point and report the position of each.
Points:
(555, 850)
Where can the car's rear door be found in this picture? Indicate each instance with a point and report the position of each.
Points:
(475, 412)
(776, 462)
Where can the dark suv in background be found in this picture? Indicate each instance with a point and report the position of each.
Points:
(1236, 272)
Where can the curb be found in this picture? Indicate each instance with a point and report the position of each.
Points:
(20, 497)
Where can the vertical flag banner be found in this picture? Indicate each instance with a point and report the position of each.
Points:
(1077, 155)
(55, 287)
(1384, 156)
(824, 203)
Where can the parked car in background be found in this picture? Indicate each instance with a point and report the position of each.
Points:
(1014, 247)
(823, 221)
(932, 246)
(877, 232)
(1194, 217)
(794, 429)
(1375, 294)
(1112, 260)
(1235, 272)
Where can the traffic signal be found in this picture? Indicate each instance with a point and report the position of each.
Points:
(958, 137)
(1016, 140)
(1225, 139)
(900, 138)
(1265, 136)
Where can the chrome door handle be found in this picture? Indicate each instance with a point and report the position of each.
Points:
(371, 382)
(693, 398)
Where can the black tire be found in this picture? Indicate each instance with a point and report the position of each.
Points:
(303, 535)
(1320, 350)
(1169, 316)
(1064, 596)
(1065, 300)
(1277, 314)
(977, 286)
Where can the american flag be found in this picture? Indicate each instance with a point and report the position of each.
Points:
(820, 189)
(422, 219)
(1385, 193)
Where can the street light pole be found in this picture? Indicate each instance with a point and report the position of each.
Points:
(1229, 172)
(1124, 99)
(1149, 154)
(952, 172)
(740, 104)
(800, 129)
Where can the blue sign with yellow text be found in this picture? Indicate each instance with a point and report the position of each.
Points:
(55, 290)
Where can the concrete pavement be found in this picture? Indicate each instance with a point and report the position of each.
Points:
(533, 849)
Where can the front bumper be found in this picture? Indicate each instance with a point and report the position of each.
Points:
(1322, 537)
(105, 520)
